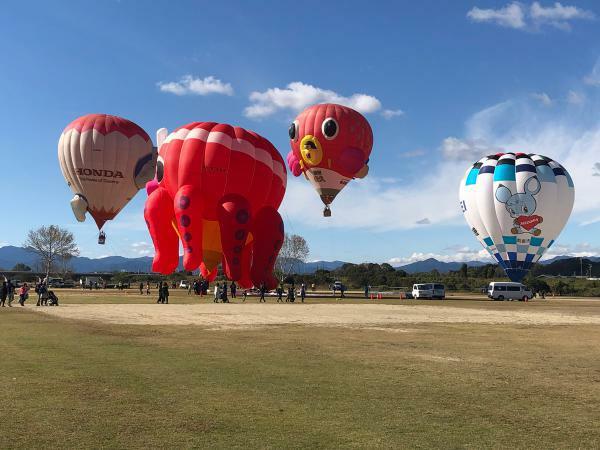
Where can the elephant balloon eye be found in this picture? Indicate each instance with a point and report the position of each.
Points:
(330, 128)
(160, 169)
(293, 131)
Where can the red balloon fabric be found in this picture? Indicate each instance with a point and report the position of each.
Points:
(331, 145)
(217, 190)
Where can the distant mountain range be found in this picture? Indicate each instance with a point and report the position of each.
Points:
(10, 256)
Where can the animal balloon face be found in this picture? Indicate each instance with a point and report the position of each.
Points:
(331, 145)
(516, 205)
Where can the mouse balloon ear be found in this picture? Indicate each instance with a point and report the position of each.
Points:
(503, 194)
(533, 186)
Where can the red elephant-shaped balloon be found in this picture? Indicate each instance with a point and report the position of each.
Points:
(331, 145)
(217, 189)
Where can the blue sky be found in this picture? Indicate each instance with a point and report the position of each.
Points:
(454, 79)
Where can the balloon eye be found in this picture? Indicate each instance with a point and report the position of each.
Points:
(293, 131)
(160, 169)
(330, 128)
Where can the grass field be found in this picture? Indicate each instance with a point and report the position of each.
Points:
(88, 384)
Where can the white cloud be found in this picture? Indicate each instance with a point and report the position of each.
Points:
(558, 15)
(413, 153)
(189, 85)
(296, 96)
(391, 113)
(581, 250)
(522, 17)
(593, 79)
(453, 254)
(596, 170)
(377, 209)
(543, 98)
(142, 248)
(511, 16)
(466, 149)
(575, 98)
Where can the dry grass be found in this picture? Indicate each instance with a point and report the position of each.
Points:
(88, 384)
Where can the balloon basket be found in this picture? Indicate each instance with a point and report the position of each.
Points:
(327, 211)
(101, 238)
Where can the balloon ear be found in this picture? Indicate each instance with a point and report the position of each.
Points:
(532, 186)
(362, 172)
(144, 169)
(503, 194)
(161, 135)
(79, 205)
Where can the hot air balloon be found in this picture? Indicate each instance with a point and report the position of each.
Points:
(331, 145)
(516, 205)
(105, 160)
(217, 190)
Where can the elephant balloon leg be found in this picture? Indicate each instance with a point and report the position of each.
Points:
(234, 222)
(268, 233)
(160, 217)
(188, 213)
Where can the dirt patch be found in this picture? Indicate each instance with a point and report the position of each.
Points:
(225, 316)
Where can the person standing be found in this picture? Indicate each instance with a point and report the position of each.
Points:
(23, 294)
(280, 294)
(147, 288)
(233, 289)
(10, 289)
(217, 293)
(302, 292)
(42, 295)
(244, 295)
(3, 294)
(160, 293)
(165, 293)
(367, 289)
(224, 298)
(262, 290)
(142, 288)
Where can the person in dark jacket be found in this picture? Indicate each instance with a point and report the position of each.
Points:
(10, 291)
(165, 293)
(262, 290)
(279, 294)
(3, 294)
(160, 293)
(223, 291)
(233, 288)
(142, 288)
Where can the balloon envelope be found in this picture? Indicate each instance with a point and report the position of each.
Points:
(105, 160)
(217, 190)
(516, 205)
(331, 145)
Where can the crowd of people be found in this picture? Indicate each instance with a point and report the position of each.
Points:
(9, 290)
(222, 291)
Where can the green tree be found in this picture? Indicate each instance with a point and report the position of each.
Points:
(20, 267)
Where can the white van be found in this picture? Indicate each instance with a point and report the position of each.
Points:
(498, 290)
(429, 291)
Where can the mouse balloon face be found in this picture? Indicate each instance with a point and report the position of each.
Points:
(516, 205)
(331, 145)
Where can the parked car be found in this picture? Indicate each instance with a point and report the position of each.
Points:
(429, 291)
(184, 284)
(504, 290)
(56, 282)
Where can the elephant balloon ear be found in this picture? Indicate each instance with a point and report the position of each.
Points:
(161, 135)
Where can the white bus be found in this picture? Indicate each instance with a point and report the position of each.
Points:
(502, 290)
(429, 291)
